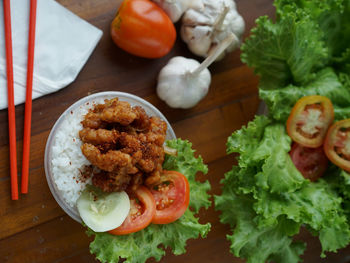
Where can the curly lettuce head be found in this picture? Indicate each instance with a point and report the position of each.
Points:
(269, 199)
(305, 51)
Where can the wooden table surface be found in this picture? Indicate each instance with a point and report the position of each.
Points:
(36, 229)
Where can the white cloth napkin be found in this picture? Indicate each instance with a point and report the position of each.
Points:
(63, 44)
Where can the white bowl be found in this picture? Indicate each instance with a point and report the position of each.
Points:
(89, 100)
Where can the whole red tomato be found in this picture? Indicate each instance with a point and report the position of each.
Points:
(143, 29)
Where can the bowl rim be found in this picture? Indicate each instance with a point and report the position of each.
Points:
(49, 143)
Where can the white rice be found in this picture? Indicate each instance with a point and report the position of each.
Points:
(67, 158)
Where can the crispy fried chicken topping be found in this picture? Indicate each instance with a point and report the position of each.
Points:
(124, 144)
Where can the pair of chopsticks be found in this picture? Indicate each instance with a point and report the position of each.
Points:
(10, 97)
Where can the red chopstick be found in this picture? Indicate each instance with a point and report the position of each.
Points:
(28, 106)
(10, 98)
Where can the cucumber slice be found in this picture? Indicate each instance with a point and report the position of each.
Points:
(103, 211)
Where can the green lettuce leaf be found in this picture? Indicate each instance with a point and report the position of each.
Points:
(316, 205)
(289, 51)
(250, 136)
(265, 147)
(249, 240)
(149, 242)
(331, 17)
(340, 182)
(152, 241)
(269, 199)
(281, 101)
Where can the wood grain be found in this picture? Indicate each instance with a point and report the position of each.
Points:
(36, 229)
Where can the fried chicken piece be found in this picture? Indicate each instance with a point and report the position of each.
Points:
(112, 161)
(129, 141)
(99, 136)
(136, 181)
(124, 143)
(106, 147)
(112, 111)
(111, 182)
(136, 156)
(155, 138)
(151, 156)
(142, 121)
(156, 133)
(144, 152)
(92, 120)
(154, 177)
(119, 112)
(131, 145)
(146, 165)
(108, 103)
(157, 125)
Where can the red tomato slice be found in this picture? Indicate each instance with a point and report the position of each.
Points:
(172, 196)
(337, 144)
(142, 28)
(309, 120)
(142, 210)
(311, 162)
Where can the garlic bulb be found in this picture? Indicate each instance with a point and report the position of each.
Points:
(183, 82)
(176, 8)
(178, 87)
(204, 28)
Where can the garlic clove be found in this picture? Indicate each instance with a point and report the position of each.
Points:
(195, 4)
(198, 39)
